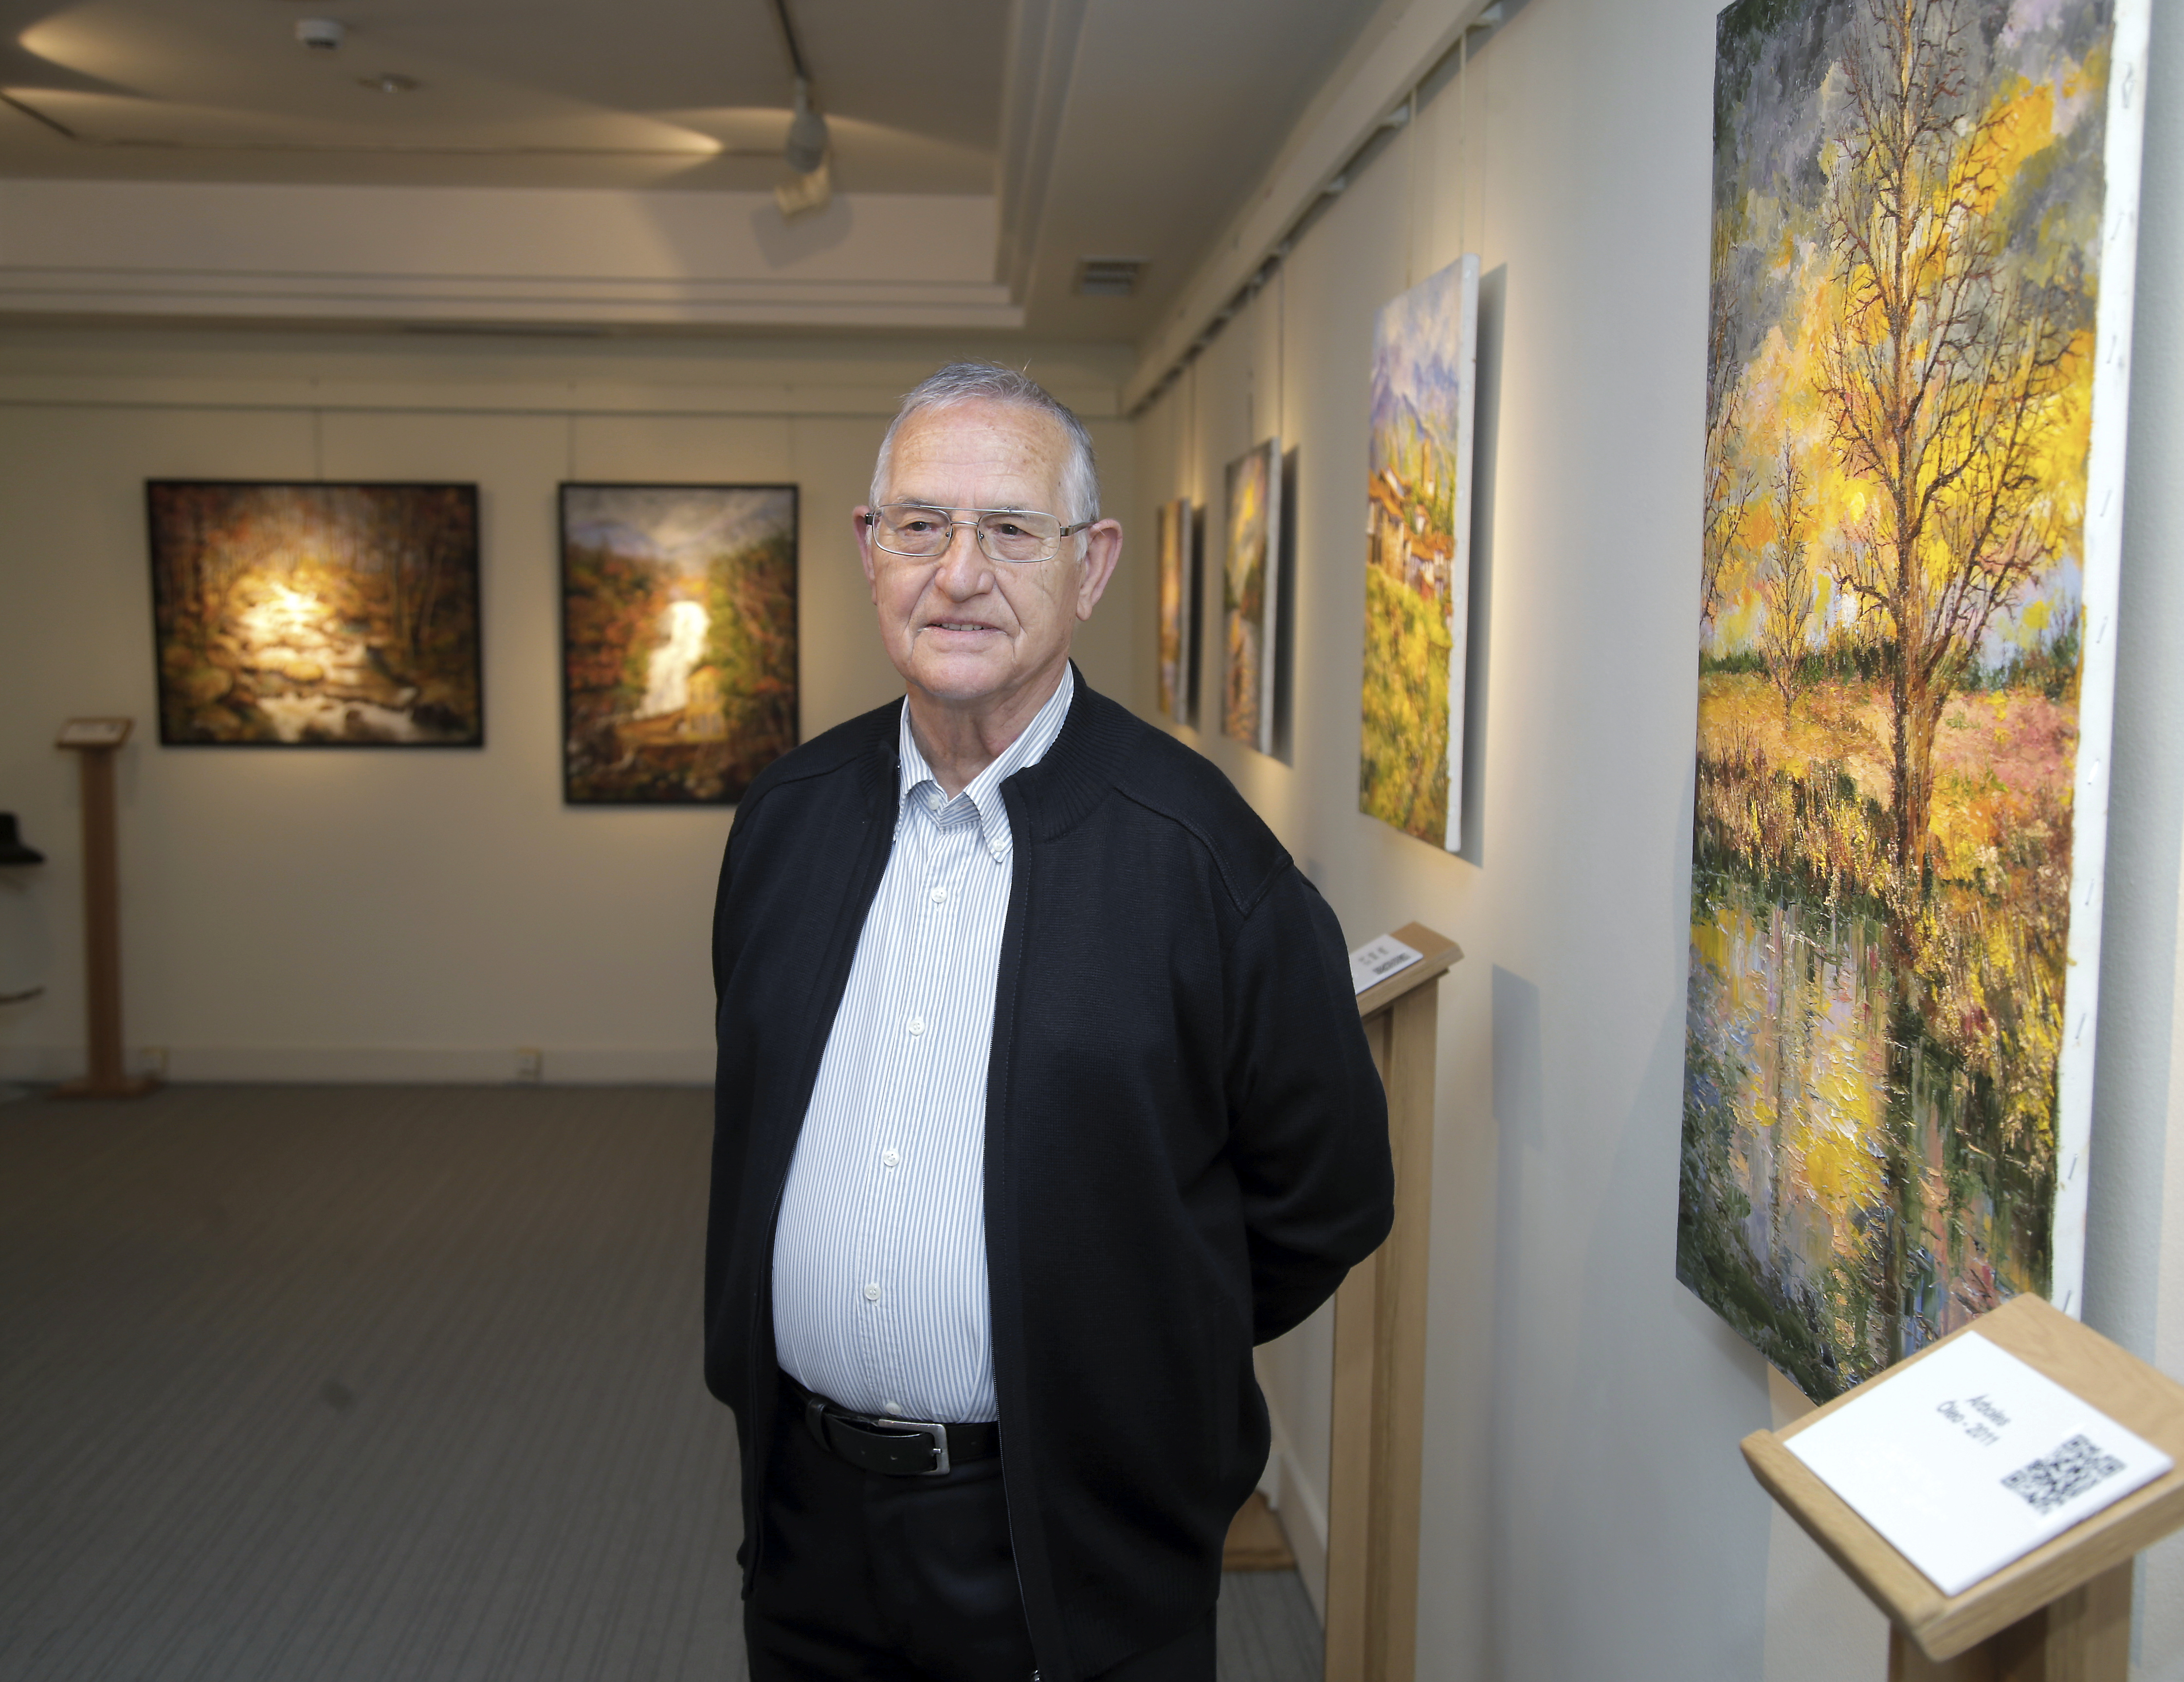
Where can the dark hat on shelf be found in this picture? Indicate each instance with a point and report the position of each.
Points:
(12, 849)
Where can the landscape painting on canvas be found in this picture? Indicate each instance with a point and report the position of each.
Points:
(316, 614)
(1906, 647)
(1249, 594)
(1178, 603)
(1418, 559)
(678, 616)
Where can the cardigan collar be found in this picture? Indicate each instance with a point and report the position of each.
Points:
(983, 792)
(1072, 777)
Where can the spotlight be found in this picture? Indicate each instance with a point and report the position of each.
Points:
(320, 35)
(807, 133)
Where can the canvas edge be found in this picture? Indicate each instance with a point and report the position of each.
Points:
(2104, 563)
(1270, 624)
(1459, 570)
(1187, 588)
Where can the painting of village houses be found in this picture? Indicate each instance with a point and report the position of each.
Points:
(1905, 630)
(315, 615)
(1417, 555)
(1250, 596)
(678, 640)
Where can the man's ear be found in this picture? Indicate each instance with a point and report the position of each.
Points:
(1103, 549)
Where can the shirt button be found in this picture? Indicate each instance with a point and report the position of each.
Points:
(871, 1293)
(890, 1158)
(939, 896)
(915, 1024)
(890, 1407)
(932, 803)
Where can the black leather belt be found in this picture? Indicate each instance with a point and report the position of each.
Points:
(895, 1448)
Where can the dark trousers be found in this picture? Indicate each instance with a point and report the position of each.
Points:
(870, 1579)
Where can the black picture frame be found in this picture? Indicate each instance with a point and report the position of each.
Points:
(714, 574)
(316, 613)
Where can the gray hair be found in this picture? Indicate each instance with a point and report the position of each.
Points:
(960, 382)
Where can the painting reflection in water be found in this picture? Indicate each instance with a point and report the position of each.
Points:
(1906, 669)
(679, 606)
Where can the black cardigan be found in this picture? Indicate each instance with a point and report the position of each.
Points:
(1186, 1142)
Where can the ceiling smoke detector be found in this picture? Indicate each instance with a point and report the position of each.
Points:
(320, 35)
(1108, 276)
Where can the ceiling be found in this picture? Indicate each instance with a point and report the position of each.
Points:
(1135, 126)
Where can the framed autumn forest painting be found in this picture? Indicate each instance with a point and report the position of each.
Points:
(678, 639)
(341, 615)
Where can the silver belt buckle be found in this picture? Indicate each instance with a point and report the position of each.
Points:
(931, 1428)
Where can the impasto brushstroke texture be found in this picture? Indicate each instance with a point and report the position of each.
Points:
(1907, 212)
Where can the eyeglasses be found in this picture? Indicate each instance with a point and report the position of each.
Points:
(1010, 534)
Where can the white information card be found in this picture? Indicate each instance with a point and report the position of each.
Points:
(1971, 1458)
(1377, 959)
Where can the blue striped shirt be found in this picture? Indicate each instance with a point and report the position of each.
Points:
(879, 1257)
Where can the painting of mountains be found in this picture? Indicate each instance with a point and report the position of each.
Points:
(1418, 567)
(1906, 607)
(316, 616)
(678, 637)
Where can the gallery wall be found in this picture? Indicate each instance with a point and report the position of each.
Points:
(1586, 1514)
(405, 914)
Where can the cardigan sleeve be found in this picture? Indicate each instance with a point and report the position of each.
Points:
(1308, 1121)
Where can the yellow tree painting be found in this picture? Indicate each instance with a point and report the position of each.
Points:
(1910, 530)
(1417, 561)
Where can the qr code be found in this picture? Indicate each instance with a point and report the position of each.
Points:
(2064, 1475)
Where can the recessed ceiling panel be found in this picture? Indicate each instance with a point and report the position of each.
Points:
(640, 92)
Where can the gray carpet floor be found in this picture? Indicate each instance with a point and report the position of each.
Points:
(354, 1385)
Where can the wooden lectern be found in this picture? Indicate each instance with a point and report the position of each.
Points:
(1379, 1435)
(2062, 1613)
(95, 740)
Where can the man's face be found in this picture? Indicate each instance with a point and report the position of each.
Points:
(965, 630)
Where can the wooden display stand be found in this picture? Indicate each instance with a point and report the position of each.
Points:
(2062, 1613)
(95, 740)
(1378, 1433)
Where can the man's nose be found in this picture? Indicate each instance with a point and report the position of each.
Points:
(963, 565)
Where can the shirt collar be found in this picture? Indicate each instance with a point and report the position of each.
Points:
(984, 791)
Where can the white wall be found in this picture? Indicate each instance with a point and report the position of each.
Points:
(1587, 1515)
(391, 914)
(2135, 1259)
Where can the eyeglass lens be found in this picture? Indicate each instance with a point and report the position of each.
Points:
(906, 529)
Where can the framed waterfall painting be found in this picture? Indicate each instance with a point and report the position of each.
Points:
(1417, 555)
(1923, 217)
(1250, 596)
(316, 616)
(678, 640)
(1178, 558)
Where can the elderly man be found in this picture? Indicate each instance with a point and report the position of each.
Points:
(1042, 1098)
